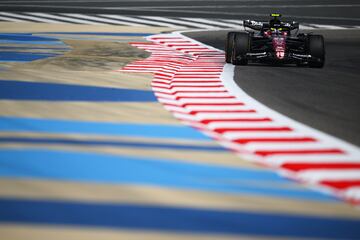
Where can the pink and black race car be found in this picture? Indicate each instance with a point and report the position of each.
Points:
(274, 42)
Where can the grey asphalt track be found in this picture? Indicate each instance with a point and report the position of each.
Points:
(327, 99)
(339, 12)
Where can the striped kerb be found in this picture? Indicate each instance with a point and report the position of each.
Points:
(187, 81)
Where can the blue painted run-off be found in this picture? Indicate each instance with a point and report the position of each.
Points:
(122, 34)
(37, 91)
(17, 124)
(24, 37)
(29, 40)
(138, 217)
(7, 56)
(34, 48)
(53, 43)
(122, 169)
(110, 143)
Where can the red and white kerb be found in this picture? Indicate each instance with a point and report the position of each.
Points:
(191, 81)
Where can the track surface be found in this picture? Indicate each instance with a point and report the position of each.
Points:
(327, 99)
(320, 11)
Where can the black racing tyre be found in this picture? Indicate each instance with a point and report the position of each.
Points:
(229, 45)
(241, 48)
(316, 48)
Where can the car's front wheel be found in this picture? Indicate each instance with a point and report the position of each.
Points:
(229, 45)
(316, 49)
(241, 48)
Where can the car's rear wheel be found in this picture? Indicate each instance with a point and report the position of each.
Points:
(316, 48)
(241, 48)
(229, 45)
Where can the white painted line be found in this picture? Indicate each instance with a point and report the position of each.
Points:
(212, 22)
(12, 19)
(236, 124)
(193, 89)
(68, 19)
(323, 158)
(239, 135)
(92, 18)
(175, 84)
(121, 19)
(181, 23)
(217, 108)
(201, 94)
(287, 146)
(39, 19)
(328, 174)
(145, 21)
(226, 115)
(207, 101)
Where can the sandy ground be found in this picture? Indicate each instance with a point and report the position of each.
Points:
(88, 63)
(93, 62)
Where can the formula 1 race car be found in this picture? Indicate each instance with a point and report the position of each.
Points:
(274, 42)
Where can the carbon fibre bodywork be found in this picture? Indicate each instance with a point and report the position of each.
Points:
(267, 48)
(274, 42)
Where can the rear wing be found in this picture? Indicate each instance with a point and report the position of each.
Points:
(264, 26)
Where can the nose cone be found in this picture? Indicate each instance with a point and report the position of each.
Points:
(280, 54)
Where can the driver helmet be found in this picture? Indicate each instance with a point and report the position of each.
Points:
(275, 21)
